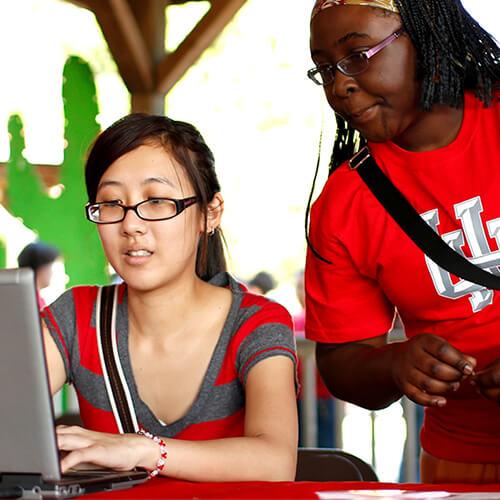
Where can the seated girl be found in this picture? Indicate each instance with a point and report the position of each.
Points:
(208, 368)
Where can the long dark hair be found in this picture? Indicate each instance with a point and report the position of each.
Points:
(454, 54)
(188, 147)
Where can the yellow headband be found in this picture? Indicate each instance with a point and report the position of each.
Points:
(381, 4)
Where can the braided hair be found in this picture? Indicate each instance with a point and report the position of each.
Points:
(454, 54)
(185, 143)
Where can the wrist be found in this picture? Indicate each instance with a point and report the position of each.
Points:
(154, 453)
(396, 353)
(148, 452)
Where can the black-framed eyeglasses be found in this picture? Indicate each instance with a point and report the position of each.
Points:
(154, 209)
(352, 65)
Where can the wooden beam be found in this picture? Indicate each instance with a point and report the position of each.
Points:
(125, 40)
(148, 102)
(86, 4)
(180, 2)
(135, 33)
(150, 16)
(133, 51)
(136, 46)
(174, 65)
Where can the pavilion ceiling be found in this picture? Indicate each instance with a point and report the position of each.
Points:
(135, 33)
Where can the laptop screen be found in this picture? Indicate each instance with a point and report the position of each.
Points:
(27, 435)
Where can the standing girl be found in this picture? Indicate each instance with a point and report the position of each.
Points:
(416, 79)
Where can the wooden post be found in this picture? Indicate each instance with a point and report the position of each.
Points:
(135, 33)
(150, 16)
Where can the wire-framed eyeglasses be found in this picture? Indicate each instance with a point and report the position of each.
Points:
(352, 65)
(154, 209)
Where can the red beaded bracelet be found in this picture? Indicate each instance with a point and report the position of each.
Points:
(163, 451)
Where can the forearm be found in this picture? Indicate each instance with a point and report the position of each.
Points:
(360, 373)
(231, 459)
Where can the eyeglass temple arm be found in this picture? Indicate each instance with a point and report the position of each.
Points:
(185, 203)
(384, 43)
(190, 201)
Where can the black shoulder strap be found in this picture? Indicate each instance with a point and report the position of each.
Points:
(414, 226)
(105, 323)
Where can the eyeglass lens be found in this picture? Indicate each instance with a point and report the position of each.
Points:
(351, 65)
(149, 209)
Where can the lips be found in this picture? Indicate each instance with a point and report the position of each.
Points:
(363, 114)
(141, 252)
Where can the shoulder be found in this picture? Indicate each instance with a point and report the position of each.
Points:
(252, 307)
(263, 323)
(486, 114)
(480, 129)
(258, 327)
(263, 310)
(341, 186)
(74, 301)
(345, 209)
(264, 329)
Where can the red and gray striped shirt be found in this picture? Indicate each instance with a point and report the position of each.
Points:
(256, 328)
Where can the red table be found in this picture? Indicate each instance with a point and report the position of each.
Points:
(166, 488)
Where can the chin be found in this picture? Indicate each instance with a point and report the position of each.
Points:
(377, 134)
(144, 285)
(377, 130)
(140, 283)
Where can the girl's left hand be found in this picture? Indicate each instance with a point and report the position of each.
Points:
(120, 452)
(487, 381)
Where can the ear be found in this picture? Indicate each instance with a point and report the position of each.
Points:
(215, 210)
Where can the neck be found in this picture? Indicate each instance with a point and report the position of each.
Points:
(432, 129)
(163, 313)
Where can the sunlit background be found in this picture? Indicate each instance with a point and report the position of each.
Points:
(249, 97)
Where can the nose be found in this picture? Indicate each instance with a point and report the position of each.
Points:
(133, 224)
(343, 86)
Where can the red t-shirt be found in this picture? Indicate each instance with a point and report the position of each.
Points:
(377, 268)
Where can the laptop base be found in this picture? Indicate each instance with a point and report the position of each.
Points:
(34, 487)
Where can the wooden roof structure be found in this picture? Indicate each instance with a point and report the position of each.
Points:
(135, 33)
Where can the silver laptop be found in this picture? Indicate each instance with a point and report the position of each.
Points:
(29, 458)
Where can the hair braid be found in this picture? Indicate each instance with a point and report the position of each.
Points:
(454, 54)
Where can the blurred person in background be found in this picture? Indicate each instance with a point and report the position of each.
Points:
(325, 403)
(40, 257)
(262, 283)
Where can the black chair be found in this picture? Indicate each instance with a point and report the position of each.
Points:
(327, 464)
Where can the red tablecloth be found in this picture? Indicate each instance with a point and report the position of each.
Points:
(165, 488)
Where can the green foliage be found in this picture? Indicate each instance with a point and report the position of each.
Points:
(3, 257)
(61, 221)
